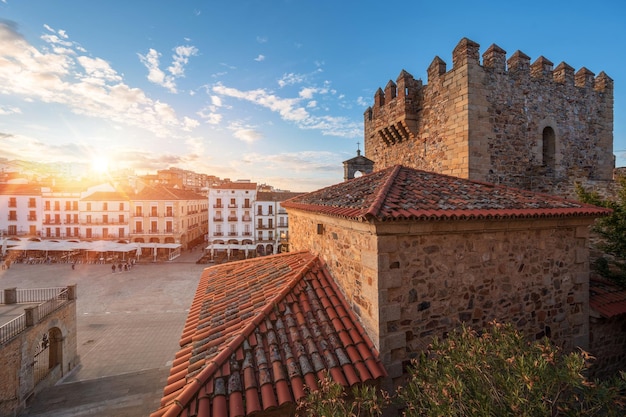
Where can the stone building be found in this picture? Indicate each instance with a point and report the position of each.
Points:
(503, 121)
(417, 253)
(38, 345)
(379, 266)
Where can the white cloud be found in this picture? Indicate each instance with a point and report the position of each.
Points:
(307, 93)
(180, 59)
(216, 101)
(189, 123)
(6, 110)
(260, 58)
(291, 79)
(261, 39)
(155, 74)
(176, 70)
(313, 170)
(98, 68)
(363, 102)
(246, 134)
(86, 85)
(290, 109)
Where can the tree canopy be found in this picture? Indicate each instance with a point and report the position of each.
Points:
(495, 372)
(611, 230)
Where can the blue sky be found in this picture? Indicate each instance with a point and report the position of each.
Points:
(272, 91)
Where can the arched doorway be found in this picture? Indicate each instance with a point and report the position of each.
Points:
(48, 353)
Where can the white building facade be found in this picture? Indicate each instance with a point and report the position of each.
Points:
(231, 215)
(20, 210)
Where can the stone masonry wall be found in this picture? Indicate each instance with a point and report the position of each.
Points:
(435, 276)
(16, 359)
(349, 250)
(486, 121)
(411, 281)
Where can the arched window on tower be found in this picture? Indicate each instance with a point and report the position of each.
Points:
(548, 146)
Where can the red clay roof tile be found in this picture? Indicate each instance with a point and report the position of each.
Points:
(607, 298)
(402, 193)
(228, 364)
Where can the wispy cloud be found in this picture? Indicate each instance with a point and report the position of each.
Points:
(314, 170)
(291, 109)
(6, 110)
(260, 58)
(291, 79)
(245, 133)
(61, 73)
(156, 75)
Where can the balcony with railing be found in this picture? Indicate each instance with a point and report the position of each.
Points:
(218, 206)
(99, 222)
(218, 219)
(246, 218)
(232, 205)
(232, 218)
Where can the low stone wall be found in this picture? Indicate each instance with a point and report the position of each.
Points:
(607, 343)
(17, 383)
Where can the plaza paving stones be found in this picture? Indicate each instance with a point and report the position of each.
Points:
(128, 326)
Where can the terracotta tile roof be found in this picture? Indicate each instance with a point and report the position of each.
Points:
(258, 332)
(399, 193)
(607, 298)
(106, 196)
(276, 195)
(235, 186)
(20, 189)
(159, 192)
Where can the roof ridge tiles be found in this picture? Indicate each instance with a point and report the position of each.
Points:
(400, 193)
(193, 384)
(381, 195)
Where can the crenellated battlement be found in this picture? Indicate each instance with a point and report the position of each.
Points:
(468, 119)
(494, 59)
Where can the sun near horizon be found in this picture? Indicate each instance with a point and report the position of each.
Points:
(100, 165)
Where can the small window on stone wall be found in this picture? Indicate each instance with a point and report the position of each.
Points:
(548, 143)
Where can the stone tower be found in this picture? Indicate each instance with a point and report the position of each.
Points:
(501, 121)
